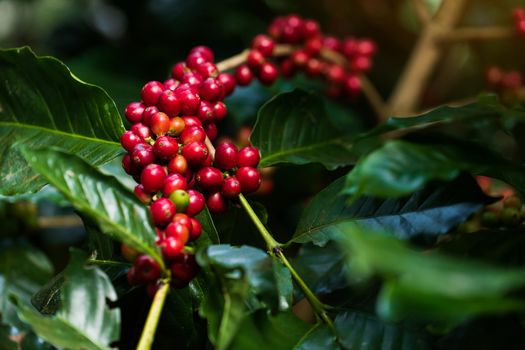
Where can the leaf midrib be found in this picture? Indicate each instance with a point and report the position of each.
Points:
(59, 132)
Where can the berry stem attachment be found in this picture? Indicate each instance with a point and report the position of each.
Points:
(274, 249)
(148, 332)
(240, 58)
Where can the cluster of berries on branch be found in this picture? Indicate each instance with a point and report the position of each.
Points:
(519, 21)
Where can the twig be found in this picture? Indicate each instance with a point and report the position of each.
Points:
(478, 33)
(148, 332)
(421, 11)
(374, 98)
(424, 57)
(240, 58)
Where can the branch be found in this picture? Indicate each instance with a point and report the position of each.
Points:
(421, 11)
(148, 333)
(478, 33)
(425, 56)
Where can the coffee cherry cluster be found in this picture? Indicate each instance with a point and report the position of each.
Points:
(309, 42)
(169, 159)
(519, 21)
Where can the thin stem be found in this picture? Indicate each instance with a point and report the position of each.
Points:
(107, 263)
(268, 238)
(374, 98)
(240, 58)
(148, 333)
(478, 33)
(421, 11)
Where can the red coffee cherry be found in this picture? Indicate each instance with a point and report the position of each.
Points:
(243, 75)
(207, 70)
(366, 47)
(191, 121)
(205, 112)
(171, 84)
(189, 100)
(131, 276)
(182, 219)
(173, 182)
(165, 147)
(361, 64)
(332, 43)
(255, 59)
(313, 67)
(178, 70)
(211, 131)
(219, 110)
(267, 73)
(183, 270)
(211, 90)
(148, 113)
(231, 187)
(178, 164)
(142, 194)
(194, 60)
(128, 140)
(129, 167)
(228, 83)
(264, 44)
(160, 124)
(197, 203)
(196, 229)
(153, 287)
(195, 153)
(250, 179)
(216, 203)
(335, 74)
(209, 178)
(352, 85)
(169, 103)
(134, 112)
(226, 156)
(172, 248)
(142, 155)
(204, 51)
(192, 134)
(192, 78)
(178, 231)
(141, 131)
(248, 156)
(177, 125)
(299, 58)
(181, 200)
(152, 178)
(162, 211)
(313, 46)
(146, 269)
(287, 68)
(349, 47)
(151, 92)
(311, 28)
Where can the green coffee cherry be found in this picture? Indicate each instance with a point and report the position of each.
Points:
(181, 199)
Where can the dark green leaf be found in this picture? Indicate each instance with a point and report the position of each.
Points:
(431, 211)
(211, 236)
(399, 168)
(429, 285)
(43, 104)
(320, 337)
(293, 128)
(84, 320)
(23, 270)
(101, 197)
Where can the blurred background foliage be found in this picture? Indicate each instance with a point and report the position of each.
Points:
(119, 45)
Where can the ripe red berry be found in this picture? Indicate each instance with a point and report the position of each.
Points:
(211, 131)
(165, 147)
(361, 64)
(194, 60)
(177, 125)
(196, 229)
(287, 68)
(172, 248)
(189, 101)
(169, 103)
(335, 74)
(183, 270)
(146, 269)
(153, 287)
(250, 179)
(268, 73)
(352, 85)
(332, 43)
(178, 164)
(207, 70)
(173, 182)
(160, 123)
(142, 155)
(178, 231)
(311, 28)
(151, 92)
(131, 276)
(205, 112)
(366, 47)
(313, 67)
(299, 58)
(171, 84)
(313, 46)
(264, 44)
(162, 211)
(511, 80)
(134, 112)
(148, 113)
(349, 47)
(216, 203)
(197, 203)
(141, 130)
(231, 187)
(228, 83)
(211, 90)
(130, 167)
(182, 219)
(178, 70)
(142, 194)
(190, 121)
(219, 110)
(255, 59)
(226, 156)
(209, 178)
(192, 134)
(248, 156)
(128, 140)
(192, 78)
(243, 75)
(152, 177)
(181, 200)
(204, 51)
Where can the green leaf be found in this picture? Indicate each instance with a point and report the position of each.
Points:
(260, 330)
(293, 128)
(399, 167)
(83, 321)
(23, 270)
(431, 211)
(43, 104)
(429, 285)
(101, 197)
(319, 338)
(241, 278)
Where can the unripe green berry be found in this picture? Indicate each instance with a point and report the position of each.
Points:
(510, 217)
(181, 200)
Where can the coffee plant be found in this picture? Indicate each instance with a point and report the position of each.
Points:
(411, 237)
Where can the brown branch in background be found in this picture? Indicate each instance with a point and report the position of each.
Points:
(63, 221)
(240, 58)
(426, 54)
(421, 11)
(478, 33)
